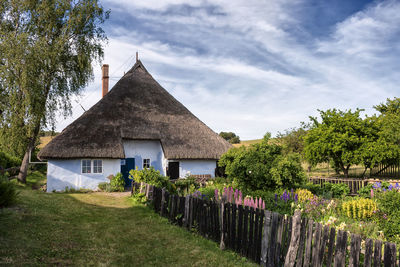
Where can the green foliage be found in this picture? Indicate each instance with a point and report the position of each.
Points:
(337, 190)
(139, 198)
(316, 189)
(292, 140)
(341, 137)
(105, 187)
(8, 192)
(262, 166)
(152, 177)
(47, 50)
(230, 137)
(389, 214)
(207, 192)
(8, 161)
(365, 192)
(71, 190)
(117, 183)
(183, 186)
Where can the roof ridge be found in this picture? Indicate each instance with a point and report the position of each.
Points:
(138, 65)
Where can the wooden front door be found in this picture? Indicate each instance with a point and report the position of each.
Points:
(173, 170)
(127, 165)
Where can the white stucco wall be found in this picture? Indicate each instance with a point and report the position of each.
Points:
(146, 149)
(67, 173)
(197, 167)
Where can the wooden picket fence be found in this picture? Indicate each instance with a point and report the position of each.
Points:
(353, 184)
(269, 238)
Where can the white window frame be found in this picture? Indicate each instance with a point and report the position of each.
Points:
(148, 163)
(101, 166)
(91, 166)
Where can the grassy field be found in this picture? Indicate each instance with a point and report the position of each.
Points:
(98, 229)
(247, 142)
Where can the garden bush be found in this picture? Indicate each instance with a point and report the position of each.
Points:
(117, 183)
(262, 166)
(105, 187)
(365, 191)
(389, 214)
(8, 161)
(336, 190)
(8, 192)
(152, 177)
(316, 189)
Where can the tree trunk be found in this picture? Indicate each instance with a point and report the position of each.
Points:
(346, 171)
(23, 171)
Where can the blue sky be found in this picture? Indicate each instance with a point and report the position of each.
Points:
(253, 67)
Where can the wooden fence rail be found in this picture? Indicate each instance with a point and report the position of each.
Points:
(269, 238)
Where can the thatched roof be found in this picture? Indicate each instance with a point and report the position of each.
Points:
(137, 107)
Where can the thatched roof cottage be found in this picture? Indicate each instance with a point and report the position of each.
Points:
(137, 124)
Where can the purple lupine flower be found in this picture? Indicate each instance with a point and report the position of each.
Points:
(231, 195)
(397, 186)
(225, 192)
(384, 189)
(236, 195)
(240, 197)
(292, 193)
(276, 198)
(296, 198)
(390, 187)
(259, 203)
(216, 194)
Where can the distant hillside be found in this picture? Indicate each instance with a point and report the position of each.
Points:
(247, 142)
(44, 140)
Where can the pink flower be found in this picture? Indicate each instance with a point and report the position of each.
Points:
(372, 193)
(216, 194)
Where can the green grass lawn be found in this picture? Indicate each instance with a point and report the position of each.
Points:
(99, 229)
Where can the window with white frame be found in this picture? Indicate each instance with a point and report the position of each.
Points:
(92, 166)
(146, 163)
(86, 166)
(97, 166)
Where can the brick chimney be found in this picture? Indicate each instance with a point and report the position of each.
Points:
(104, 79)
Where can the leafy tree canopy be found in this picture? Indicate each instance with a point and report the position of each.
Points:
(230, 137)
(262, 166)
(47, 49)
(341, 136)
(292, 139)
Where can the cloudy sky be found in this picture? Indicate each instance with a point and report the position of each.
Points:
(255, 66)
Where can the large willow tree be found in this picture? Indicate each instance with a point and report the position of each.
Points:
(46, 53)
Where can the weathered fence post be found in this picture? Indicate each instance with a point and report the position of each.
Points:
(221, 222)
(368, 252)
(355, 251)
(186, 212)
(340, 251)
(141, 188)
(294, 240)
(265, 238)
(162, 201)
(378, 253)
(390, 255)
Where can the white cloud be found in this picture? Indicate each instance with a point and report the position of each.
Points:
(349, 68)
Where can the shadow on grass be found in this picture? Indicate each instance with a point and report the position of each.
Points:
(84, 229)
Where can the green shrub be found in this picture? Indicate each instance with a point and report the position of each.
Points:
(316, 189)
(152, 177)
(184, 185)
(8, 192)
(117, 183)
(337, 190)
(365, 191)
(139, 198)
(105, 187)
(262, 166)
(8, 161)
(208, 191)
(389, 214)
